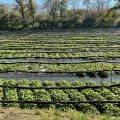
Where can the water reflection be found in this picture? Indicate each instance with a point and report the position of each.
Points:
(55, 78)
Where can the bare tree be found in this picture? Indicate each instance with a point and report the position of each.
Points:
(108, 3)
(52, 7)
(101, 4)
(21, 6)
(74, 4)
(63, 6)
(88, 4)
(32, 7)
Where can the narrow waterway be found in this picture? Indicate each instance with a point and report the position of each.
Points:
(55, 78)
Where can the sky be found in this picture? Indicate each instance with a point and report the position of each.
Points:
(7, 1)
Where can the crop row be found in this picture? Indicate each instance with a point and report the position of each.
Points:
(61, 95)
(84, 67)
(77, 44)
(60, 37)
(85, 45)
(95, 55)
(62, 47)
(47, 41)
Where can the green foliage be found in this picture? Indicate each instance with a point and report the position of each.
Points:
(77, 83)
(36, 83)
(48, 83)
(92, 83)
(108, 94)
(23, 82)
(10, 93)
(92, 95)
(25, 94)
(62, 83)
(62, 95)
(42, 95)
(1, 92)
(59, 95)
(111, 110)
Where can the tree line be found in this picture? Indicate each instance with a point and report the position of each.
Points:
(25, 14)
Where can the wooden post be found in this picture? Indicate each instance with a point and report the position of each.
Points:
(111, 75)
(4, 97)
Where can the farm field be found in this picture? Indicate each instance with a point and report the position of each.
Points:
(85, 97)
(84, 55)
(61, 69)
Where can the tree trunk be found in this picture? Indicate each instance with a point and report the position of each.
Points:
(22, 12)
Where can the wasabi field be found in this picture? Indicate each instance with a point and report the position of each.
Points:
(61, 54)
(61, 69)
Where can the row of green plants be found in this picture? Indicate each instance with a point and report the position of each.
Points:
(60, 40)
(49, 36)
(76, 45)
(35, 53)
(62, 35)
(73, 35)
(62, 95)
(62, 43)
(102, 70)
(53, 36)
(71, 47)
(59, 66)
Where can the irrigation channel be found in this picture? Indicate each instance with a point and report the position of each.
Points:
(61, 55)
(42, 77)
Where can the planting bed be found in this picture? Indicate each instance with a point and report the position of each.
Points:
(67, 54)
(14, 94)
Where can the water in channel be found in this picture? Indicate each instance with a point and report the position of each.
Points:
(43, 77)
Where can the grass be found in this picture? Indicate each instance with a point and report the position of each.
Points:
(37, 114)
